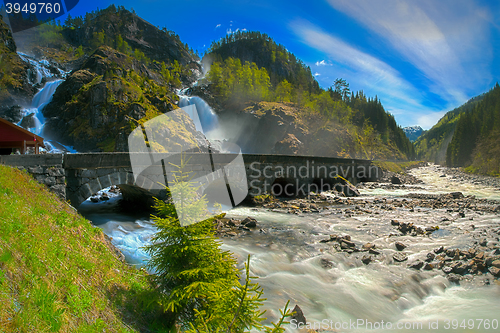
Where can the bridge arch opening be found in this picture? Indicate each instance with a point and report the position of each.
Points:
(284, 188)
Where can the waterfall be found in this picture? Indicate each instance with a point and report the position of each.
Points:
(33, 118)
(40, 100)
(41, 68)
(209, 121)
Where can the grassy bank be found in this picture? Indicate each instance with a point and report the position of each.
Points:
(59, 273)
(398, 167)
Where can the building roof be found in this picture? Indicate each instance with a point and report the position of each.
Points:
(10, 132)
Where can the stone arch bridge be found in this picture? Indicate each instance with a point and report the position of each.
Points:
(75, 177)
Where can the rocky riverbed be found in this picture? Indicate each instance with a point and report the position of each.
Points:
(422, 237)
(424, 249)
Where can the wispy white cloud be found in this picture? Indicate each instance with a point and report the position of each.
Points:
(375, 77)
(323, 63)
(447, 42)
(428, 120)
(230, 31)
(218, 26)
(374, 72)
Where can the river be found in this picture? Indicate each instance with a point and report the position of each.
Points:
(335, 289)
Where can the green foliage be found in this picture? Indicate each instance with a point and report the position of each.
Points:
(79, 52)
(233, 81)
(432, 144)
(476, 137)
(259, 48)
(122, 45)
(374, 128)
(59, 273)
(284, 91)
(237, 310)
(198, 283)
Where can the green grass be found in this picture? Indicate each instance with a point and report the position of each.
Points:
(58, 273)
(398, 167)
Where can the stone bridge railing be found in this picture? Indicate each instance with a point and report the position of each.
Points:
(75, 177)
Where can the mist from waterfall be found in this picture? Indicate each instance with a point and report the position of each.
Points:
(209, 121)
(209, 124)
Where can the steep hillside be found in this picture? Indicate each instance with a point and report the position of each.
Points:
(431, 146)
(117, 85)
(113, 26)
(249, 68)
(58, 273)
(475, 143)
(100, 104)
(259, 48)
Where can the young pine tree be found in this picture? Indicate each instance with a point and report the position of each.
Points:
(198, 283)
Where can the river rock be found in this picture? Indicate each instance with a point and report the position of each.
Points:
(454, 278)
(495, 271)
(471, 253)
(439, 250)
(400, 246)
(457, 195)
(366, 259)
(417, 264)
(368, 246)
(395, 180)
(298, 315)
(249, 222)
(428, 266)
(346, 244)
(496, 263)
(400, 257)
(479, 256)
(459, 268)
(325, 263)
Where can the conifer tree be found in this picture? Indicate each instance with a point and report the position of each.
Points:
(198, 282)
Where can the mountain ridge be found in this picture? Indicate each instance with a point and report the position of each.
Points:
(413, 132)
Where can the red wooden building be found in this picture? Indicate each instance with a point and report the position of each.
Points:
(13, 137)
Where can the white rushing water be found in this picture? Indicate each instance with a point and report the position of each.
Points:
(209, 121)
(42, 70)
(336, 288)
(436, 182)
(40, 100)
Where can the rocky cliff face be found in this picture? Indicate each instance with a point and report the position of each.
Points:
(15, 88)
(280, 128)
(101, 103)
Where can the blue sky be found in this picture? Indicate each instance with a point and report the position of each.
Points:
(421, 58)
